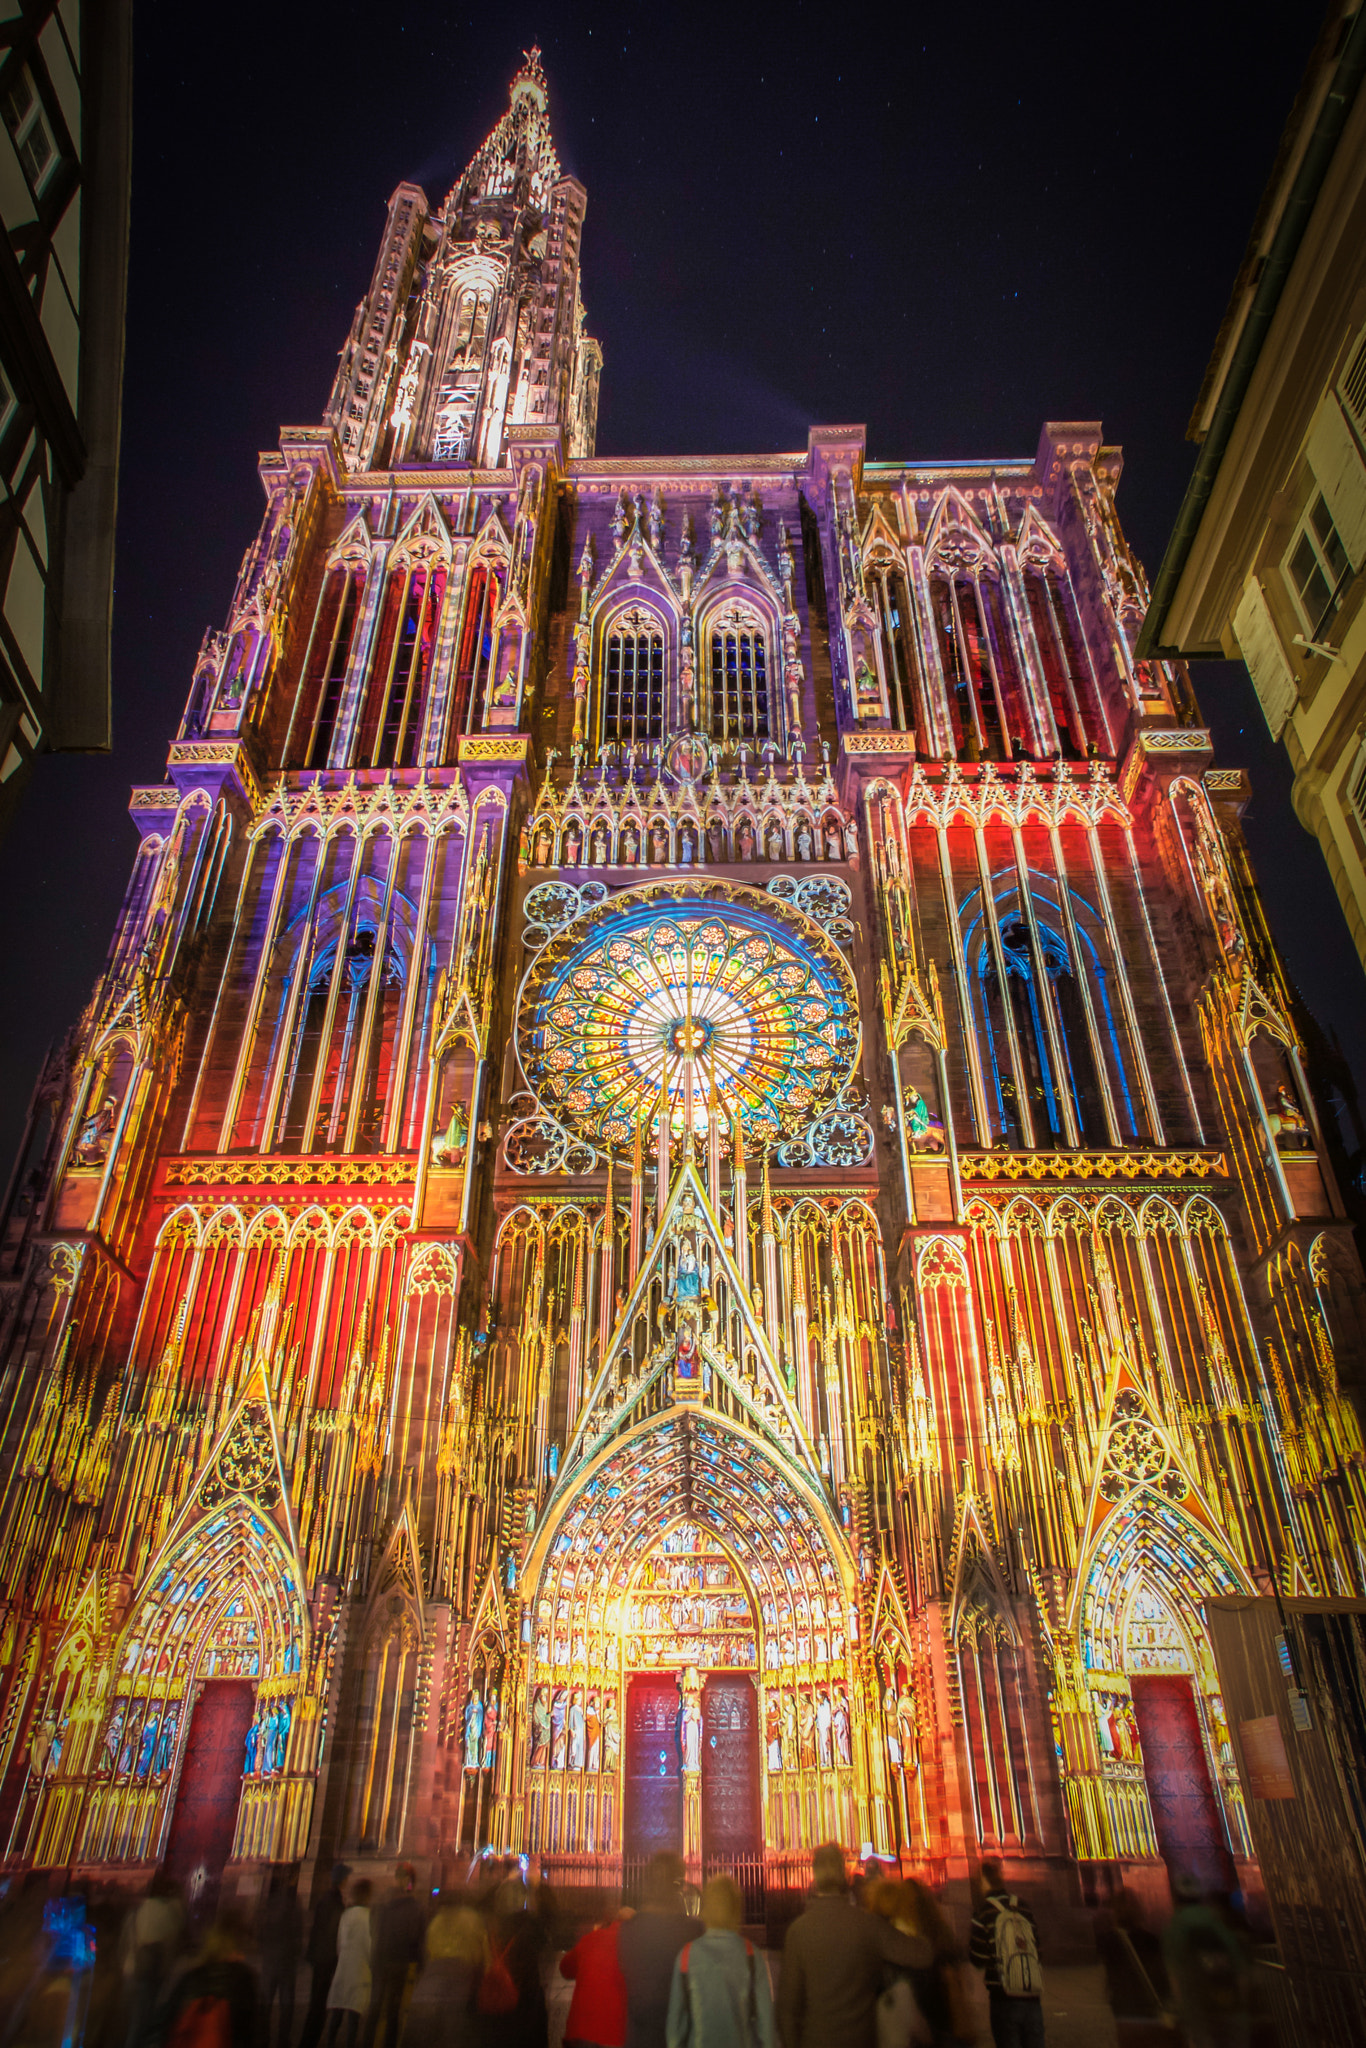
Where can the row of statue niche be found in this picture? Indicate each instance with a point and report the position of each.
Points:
(46, 1745)
(267, 1740)
(688, 1611)
(681, 1573)
(139, 1747)
(806, 1731)
(694, 844)
(481, 1729)
(571, 1731)
(720, 1653)
(788, 1648)
(1117, 1727)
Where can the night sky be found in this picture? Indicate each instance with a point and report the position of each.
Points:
(951, 224)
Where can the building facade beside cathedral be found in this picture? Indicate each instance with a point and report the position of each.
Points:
(688, 1212)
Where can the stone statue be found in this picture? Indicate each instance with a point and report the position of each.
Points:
(692, 1732)
(474, 1730)
(448, 1147)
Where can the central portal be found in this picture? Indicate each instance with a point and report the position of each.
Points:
(692, 1720)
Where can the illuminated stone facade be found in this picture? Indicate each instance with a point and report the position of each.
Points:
(688, 1211)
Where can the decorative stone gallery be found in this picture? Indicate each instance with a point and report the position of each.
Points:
(688, 1212)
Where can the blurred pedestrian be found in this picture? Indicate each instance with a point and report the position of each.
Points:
(597, 2011)
(647, 1948)
(321, 1953)
(1207, 1964)
(348, 1996)
(1005, 1948)
(279, 1940)
(937, 1986)
(720, 1996)
(1135, 1974)
(396, 1951)
(213, 2005)
(152, 1937)
(511, 1995)
(455, 1951)
(834, 1960)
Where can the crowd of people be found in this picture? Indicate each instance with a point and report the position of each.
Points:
(872, 1963)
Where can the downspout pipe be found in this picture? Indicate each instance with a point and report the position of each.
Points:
(1285, 247)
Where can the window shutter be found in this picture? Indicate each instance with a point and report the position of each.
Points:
(1356, 788)
(1352, 389)
(1336, 461)
(1272, 676)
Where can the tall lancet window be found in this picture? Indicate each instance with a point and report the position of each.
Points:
(974, 692)
(739, 678)
(342, 1048)
(325, 678)
(633, 680)
(889, 588)
(396, 699)
(475, 651)
(1052, 1064)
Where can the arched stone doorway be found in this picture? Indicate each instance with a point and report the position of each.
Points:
(196, 1741)
(692, 1660)
(1162, 1738)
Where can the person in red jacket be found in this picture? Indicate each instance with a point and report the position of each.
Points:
(597, 2011)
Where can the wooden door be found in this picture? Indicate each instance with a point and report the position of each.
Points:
(654, 1765)
(731, 1820)
(1190, 1829)
(205, 1817)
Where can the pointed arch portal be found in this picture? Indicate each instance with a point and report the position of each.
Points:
(694, 1634)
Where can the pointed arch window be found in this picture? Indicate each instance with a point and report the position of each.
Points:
(395, 701)
(1062, 663)
(471, 324)
(969, 667)
(334, 632)
(740, 705)
(1053, 1067)
(475, 652)
(889, 589)
(342, 1046)
(633, 680)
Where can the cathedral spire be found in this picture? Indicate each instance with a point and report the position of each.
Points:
(474, 321)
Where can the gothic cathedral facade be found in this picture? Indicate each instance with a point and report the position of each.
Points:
(688, 1212)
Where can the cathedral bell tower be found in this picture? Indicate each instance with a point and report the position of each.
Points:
(473, 321)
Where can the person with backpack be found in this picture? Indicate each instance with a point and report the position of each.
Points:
(214, 2003)
(720, 1996)
(348, 1997)
(510, 1999)
(1005, 1948)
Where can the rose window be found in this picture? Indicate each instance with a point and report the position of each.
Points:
(649, 999)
